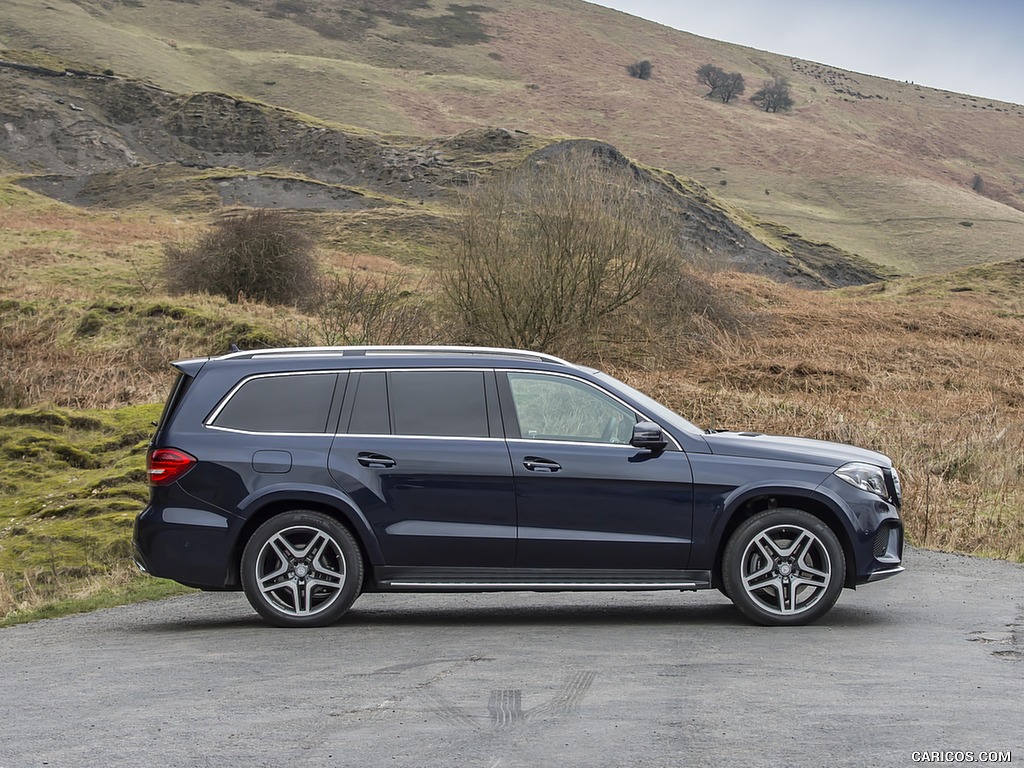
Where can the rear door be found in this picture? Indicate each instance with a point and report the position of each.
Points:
(423, 455)
(586, 499)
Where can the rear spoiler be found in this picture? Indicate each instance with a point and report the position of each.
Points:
(190, 367)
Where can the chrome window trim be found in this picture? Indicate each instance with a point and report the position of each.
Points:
(368, 435)
(237, 431)
(596, 443)
(208, 421)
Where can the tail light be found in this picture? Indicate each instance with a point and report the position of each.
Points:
(166, 465)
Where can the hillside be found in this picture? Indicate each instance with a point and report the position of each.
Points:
(916, 179)
(95, 140)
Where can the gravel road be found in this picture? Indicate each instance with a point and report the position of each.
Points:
(929, 661)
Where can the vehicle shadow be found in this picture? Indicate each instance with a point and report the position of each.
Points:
(533, 614)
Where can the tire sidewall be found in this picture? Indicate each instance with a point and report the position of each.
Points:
(353, 568)
(747, 531)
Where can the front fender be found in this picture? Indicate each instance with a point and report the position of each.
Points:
(718, 514)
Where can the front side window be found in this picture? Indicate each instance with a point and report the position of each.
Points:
(290, 404)
(560, 408)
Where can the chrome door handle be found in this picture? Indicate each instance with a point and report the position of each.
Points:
(375, 460)
(537, 464)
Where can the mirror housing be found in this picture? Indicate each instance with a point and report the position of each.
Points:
(648, 436)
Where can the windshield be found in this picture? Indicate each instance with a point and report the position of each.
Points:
(655, 409)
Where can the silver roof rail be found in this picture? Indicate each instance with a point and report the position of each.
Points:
(357, 351)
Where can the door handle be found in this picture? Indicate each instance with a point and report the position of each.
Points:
(375, 460)
(537, 464)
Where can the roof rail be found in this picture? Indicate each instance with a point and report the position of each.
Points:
(359, 351)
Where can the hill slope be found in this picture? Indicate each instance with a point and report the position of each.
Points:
(918, 179)
(104, 141)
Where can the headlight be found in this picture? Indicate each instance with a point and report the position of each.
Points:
(867, 477)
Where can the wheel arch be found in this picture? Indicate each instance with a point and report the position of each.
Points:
(814, 504)
(340, 508)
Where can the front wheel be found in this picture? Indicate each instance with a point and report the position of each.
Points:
(783, 567)
(301, 569)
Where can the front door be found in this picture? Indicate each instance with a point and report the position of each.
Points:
(585, 498)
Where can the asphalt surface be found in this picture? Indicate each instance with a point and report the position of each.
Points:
(931, 661)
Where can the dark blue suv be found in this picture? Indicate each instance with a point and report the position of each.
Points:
(307, 476)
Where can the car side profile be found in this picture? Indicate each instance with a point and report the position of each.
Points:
(306, 476)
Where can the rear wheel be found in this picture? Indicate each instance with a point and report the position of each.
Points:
(301, 569)
(783, 567)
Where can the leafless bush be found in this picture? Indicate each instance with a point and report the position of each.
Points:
(549, 252)
(640, 69)
(361, 307)
(261, 255)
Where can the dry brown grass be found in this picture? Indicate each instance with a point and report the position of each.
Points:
(929, 371)
(935, 382)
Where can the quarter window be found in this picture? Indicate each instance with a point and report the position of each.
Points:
(559, 408)
(296, 403)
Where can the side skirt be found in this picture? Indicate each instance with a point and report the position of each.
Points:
(431, 579)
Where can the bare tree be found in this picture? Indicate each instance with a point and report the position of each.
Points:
(549, 252)
(723, 85)
(731, 85)
(774, 96)
(711, 76)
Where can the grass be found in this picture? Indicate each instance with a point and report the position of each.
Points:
(73, 482)
(120, 585)
(922, 371)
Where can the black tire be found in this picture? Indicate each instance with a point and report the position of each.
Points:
(783, 567)
(301, 569)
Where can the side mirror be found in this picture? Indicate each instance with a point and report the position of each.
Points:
(648, 435)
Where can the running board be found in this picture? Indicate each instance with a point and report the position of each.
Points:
(426, 579)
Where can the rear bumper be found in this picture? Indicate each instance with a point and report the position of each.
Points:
(195, 551)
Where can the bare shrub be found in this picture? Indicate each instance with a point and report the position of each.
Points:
(365, 308)
(261, 255)
(640, 69)
(547, 253)
(683, 313)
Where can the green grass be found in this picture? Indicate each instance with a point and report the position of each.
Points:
(73, 482)
(95, 595)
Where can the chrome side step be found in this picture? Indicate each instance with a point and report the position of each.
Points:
(433, 579)
(597, 586)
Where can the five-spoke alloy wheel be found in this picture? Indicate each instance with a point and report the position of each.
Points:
(301, 569)
(783, 567)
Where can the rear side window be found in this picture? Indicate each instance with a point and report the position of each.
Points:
(288, 403)
(441, 403)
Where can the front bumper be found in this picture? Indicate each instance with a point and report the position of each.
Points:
(886, 573)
